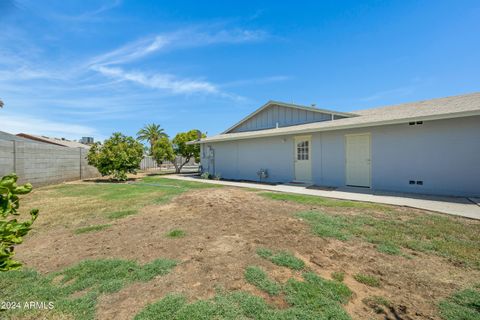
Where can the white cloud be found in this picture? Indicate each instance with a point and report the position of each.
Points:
(185, 38)
(92, 15)
(16, 124)
(159, 81)
(131, 51)
(189, 37)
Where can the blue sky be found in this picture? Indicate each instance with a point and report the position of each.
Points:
(76, 68)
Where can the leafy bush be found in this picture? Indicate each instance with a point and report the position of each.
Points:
(118, 156)
(217, 176)
(12, 231)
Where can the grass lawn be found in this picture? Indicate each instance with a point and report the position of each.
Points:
(161, 248)
(392, 231)
(105, 201)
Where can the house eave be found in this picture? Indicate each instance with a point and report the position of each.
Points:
(292, 130)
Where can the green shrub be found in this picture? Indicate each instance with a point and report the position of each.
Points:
(259, 278)
(369, 280)
(205, 176)
(12, 231)
(117, 156)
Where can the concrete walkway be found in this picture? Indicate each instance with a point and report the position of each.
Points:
(450, 205)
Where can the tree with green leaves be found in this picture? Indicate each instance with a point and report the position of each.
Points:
(117, 156)
(177, 150)
(163, 151)
(11, 230)
(151, 133)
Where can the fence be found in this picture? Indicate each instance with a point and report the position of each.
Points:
(41, 163)
(149, 164)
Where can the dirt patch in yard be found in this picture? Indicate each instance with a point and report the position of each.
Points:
(224, 228)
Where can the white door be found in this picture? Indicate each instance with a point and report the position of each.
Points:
(303, 159)
(358, 159)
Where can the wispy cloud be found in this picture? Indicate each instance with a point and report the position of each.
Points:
(41, 88)
(108, 63)
(92, 15)
(185, 38)
(159, 81)
(131, 51)
(17, 124)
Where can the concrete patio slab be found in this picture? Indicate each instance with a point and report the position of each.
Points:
(456, 206)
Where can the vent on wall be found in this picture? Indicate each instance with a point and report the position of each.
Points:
(412, 123)
(417, 182)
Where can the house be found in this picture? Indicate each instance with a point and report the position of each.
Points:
(427, 147)
(56, 141)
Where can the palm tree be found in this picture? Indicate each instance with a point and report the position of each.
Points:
(151, 133)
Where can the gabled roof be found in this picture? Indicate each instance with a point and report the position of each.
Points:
(435, 109)
(287, 105)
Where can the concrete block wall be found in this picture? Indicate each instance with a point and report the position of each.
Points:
(42, 164)
(6, 157)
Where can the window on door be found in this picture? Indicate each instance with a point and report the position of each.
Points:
(302, 150)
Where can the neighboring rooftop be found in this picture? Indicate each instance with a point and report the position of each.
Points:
(441, 108)
(56, 141)
(10, 137)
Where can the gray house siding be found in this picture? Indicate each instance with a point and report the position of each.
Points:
(244, 158)
(269, 117)
(444, 154)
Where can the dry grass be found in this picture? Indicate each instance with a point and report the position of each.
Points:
(226, 227)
